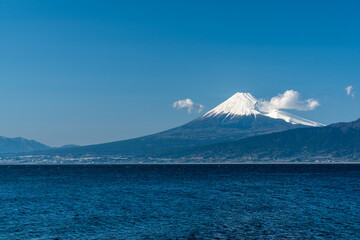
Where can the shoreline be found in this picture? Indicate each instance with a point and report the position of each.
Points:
(143, 164)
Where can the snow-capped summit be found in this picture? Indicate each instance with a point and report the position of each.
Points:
(245, 104)
(240, 104)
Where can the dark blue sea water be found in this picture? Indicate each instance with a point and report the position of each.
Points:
(180, 202)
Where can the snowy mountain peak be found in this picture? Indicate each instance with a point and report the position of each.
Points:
(245, 104)
(240, 104)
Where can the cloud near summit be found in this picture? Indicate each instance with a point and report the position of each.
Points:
(290, 99)
(350, 91)
(191, 106)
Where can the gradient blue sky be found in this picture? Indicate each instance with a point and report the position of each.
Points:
(88, 72)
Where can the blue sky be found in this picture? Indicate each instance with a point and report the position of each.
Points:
(88, 72)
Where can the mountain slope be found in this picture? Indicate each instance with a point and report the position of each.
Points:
(17, 145)
(236, 118)
(336, 142)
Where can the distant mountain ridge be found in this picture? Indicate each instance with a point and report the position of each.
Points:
(19, 145)
(337, 142)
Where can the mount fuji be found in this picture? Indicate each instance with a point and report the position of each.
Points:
(244, 104)
(238, 117)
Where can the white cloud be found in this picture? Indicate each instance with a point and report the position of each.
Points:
(290, 99)
(189, 104)
(350, 91)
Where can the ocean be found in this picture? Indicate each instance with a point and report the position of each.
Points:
(180, 201)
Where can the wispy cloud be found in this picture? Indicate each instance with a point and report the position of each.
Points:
(350, 91)
(189, 105)
(290, 99)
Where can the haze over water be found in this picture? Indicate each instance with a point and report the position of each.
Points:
(180, 202)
